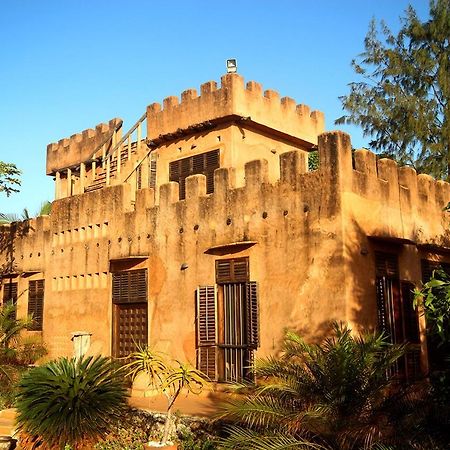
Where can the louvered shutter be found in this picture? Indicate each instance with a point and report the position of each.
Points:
(386, 264)
(152, 171)
(429, 266)
(410, 314)
(36, 304)
(10, 292)
(232, 270)
(129, 286)
(206, 324)
(383, 325)
(203, 163)
(252, 314)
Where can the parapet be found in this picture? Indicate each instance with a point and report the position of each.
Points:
(233, 98)
(79, 147)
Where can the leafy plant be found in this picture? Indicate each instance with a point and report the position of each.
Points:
(167, 377)
(70, 401)
(10, 328)
(315, 396)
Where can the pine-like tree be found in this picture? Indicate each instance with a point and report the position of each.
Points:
(402, 101)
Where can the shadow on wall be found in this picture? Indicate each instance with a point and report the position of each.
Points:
(8, 238)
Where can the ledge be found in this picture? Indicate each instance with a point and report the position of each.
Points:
(231, 247)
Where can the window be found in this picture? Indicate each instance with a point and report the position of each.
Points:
(10, 294)
(228, 322)
(397, 316)
(36, 304)
(204, 163)
(130, 316)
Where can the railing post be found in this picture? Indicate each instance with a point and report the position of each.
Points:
(129, 147)
(57, 185)
(103, 155)
(93, 169)
(69, 183)
(138, 143)
(82, 177)
(119, 159)
(108, 167)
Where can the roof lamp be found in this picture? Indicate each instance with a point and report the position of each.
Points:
(231, 66)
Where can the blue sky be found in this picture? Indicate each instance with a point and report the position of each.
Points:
(68, 65)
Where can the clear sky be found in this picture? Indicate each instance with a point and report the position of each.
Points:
(67, 65)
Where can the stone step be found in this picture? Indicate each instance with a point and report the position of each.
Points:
(8, 414)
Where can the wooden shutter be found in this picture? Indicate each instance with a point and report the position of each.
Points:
(252, 314)
(386, 264)
(129, 286)
(10, 292)
(429, 266)
(206, 327)
(152, 171)
(203, 163)
(36, 304)
(410, 314)
(232, 270)
(139, 178)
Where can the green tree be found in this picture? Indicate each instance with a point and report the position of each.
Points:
(402, 97)
(330, 395)
(9, 178)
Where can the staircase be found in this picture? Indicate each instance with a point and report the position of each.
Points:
(113, 163)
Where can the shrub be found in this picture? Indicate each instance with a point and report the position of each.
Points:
(70, 401)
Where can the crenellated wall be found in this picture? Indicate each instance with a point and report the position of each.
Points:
(310, 240)
(79, 147)
(234, 98)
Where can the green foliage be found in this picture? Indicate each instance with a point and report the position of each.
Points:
(313, 160)
(167, 377)
(316, 395)
(10, 327)
(70, 401)
(44, 209)
(9, 178)
(402, 98)
(434, 297)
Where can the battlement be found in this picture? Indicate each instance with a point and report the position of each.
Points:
(233, 98)
(79, 147)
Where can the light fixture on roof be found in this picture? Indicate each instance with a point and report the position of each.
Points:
(231, 66)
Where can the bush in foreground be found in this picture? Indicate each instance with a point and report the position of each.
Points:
(70, 401)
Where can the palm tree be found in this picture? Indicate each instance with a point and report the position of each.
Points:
(10, 326)
(329, 395)
(44, 210)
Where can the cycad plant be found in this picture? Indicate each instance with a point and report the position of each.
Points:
(70, 401)
(328, 395)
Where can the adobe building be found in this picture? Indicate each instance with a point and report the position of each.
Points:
(203, 231)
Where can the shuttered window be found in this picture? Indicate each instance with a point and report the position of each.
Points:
(129, 286)
(204, 163)
(232, 270)
(228, 323)
(152, 171)
(130, 311)
(252, 315)
(429, 266)
(206, 318)
(397, 317)
(10, 295)
(36, 304)
(10, 292)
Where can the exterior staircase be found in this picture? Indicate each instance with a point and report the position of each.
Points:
(114, 162)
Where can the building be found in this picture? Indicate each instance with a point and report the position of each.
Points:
(202, 231)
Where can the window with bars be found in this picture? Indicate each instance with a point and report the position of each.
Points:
(36, 304)
(203, 163)
(130, 311)
(397, 316)
(228, 322)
